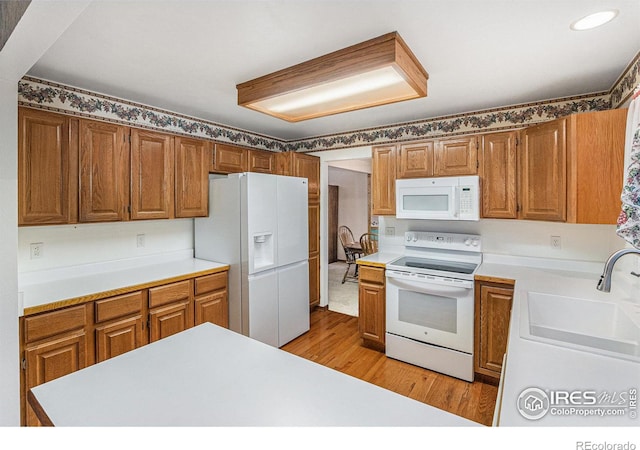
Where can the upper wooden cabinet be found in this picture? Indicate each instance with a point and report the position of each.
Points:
(104, 171)
(152, 163)
(498, 174)
(383, 180)
(47, 168)
(415, 160)
(543, 159)
(229, 159)
(456, 157)
(262, 161)
(192, 177)
(595, 166)
(301, 165)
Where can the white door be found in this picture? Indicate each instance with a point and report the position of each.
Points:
(262, 221)
(293, 220)
(293, 301)
(263, 307)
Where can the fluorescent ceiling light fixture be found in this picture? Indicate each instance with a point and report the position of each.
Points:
(376, 72)
(594, 20)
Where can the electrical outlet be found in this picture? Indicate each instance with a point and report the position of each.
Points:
(140, 240)
(389, 231)
(36, 250)
(556, 243)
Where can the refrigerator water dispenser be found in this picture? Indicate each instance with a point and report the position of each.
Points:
(263, 250)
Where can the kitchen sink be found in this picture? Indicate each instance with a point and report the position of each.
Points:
(592, 326)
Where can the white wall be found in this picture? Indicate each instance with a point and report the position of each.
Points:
(70, 245)
(516, 237)
(352, 202)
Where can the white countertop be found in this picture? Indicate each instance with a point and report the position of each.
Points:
(210, 376)
(380, 258)
(554, 368)
(48, 286)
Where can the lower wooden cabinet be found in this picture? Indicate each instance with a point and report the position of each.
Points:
(59, 342)
(493, 301)
(372, 307)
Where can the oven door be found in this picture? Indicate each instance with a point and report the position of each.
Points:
(436, 311)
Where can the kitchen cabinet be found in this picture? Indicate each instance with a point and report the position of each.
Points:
(314, 254)
(54, 344)
(152, 175)
(212, 300)
(261, 161)
(543, 159)
(119, 325)
(595, 166)
(192, 177)
(372, 306)
(104, 172)
(229, 159)
(383, 180)
(170, 309)
(493, 302)
(498, 175)
(47, 168)
(415, 160)
(456, 157)
(60, 341)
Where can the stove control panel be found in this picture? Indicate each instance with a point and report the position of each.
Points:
(447, 241)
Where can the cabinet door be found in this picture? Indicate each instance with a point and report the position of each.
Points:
(104, 172)
(47, 169)
(284, 163)
(493, 311)
(498, 175)
(415, 160)
(314, 280)
(261, 161)
(308, 166)
(314, 228)
(543, 189)
(454, 157)
(371, 313)
(151, 175)
(213, 308)
(192, 177)
(170, 319)
(229, 159)
(383, 181)
(119, 337)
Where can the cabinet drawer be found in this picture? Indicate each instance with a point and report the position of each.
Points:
(120, 306)
(52, 323)
(371, 274)
(211, 283)
(169, 293)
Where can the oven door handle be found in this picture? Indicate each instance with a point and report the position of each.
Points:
(429, 288)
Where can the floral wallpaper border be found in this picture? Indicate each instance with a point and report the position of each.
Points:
(57, 97)
(44, 94)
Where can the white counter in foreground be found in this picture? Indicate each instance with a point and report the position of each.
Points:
(210, 376)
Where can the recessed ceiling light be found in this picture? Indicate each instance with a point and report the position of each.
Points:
(594, 20)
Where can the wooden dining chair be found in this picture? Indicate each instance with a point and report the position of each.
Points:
(352, 250)
(369, 243)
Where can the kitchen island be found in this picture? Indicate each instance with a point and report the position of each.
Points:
(210, 376)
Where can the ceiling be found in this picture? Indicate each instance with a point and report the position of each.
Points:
(188, 56)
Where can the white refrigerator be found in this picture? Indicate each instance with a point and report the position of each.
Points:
(258, 224)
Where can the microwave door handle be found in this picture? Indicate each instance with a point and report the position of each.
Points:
(428, 288)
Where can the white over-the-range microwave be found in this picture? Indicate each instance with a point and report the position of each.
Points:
(444, 198)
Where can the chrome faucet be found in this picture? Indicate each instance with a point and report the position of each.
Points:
(604, 284)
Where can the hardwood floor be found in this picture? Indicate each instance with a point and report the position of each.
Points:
(333, 341)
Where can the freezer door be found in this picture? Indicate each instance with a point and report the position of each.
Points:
(263, 307)
(260, 210)
(293, 220)
(293, 301)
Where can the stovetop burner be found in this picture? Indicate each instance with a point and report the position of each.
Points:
(435, 264)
